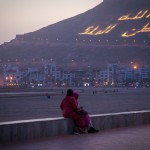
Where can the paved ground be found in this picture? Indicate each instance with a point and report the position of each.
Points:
(22, 108)
(131, 138)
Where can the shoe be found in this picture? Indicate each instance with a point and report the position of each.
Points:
(92, 130)
(76, 132)
(95, 130)
(81, 131)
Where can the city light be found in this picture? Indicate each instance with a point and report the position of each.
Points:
(135, 67)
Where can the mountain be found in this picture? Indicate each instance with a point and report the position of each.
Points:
(114, 31)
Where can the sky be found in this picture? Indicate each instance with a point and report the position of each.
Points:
(23, 16)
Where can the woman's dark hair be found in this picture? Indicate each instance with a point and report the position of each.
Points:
(69, 92)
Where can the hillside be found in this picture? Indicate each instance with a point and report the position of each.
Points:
(113, 31)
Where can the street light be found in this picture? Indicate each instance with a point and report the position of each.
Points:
(135, 67)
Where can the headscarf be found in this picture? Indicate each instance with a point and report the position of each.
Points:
(76, 95)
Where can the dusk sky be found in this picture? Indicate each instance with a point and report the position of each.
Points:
(23, 16)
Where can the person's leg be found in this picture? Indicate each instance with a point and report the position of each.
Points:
(79, 123)
(89, 125)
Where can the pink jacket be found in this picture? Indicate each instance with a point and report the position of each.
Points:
(69, 106)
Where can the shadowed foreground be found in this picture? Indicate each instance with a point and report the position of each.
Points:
(131, 138)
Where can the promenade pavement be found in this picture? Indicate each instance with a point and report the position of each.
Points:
(131, 138)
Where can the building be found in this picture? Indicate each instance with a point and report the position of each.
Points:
(11, 75)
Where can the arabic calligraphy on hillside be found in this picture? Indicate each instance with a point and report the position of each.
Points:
(97, 30)
(146, 28)
(141, 14)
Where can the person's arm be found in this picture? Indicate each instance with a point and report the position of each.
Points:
(74, 103)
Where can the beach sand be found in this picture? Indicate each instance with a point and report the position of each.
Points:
(104, 101)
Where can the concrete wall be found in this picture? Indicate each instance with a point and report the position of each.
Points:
(37, 128)
(32, 129)
(117, 120)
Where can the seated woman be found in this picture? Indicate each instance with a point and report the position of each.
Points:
(88, 124)
(69, 108)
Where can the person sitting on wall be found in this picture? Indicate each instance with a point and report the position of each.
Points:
(88, 124)
(70, 109)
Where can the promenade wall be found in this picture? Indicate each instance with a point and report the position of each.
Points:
(15, 131)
